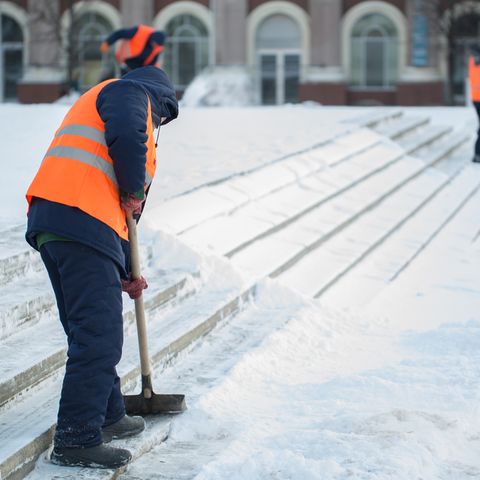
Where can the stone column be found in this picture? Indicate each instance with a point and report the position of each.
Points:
(324, 79)
(44, 77)
(44, 29)
(136, 12)
(230, 25)
(325, 23)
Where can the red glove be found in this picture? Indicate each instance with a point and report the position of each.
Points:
(131, 204)
(134, 288)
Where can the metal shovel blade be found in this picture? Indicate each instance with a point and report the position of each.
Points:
(150, 403)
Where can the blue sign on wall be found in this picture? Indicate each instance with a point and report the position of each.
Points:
(420, 41)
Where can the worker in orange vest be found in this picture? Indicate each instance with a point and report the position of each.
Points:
(474, 79)
(140, 46)
(97, 169)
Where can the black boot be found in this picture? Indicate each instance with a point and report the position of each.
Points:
(100, 456)
(125, 427)
(476, 158)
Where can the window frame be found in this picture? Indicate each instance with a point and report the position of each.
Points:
(199, 40)
(10, 46)
(363, 38)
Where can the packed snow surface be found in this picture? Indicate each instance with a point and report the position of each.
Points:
(294, 388)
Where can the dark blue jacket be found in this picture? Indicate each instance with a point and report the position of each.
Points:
(122, 105)
(157, 37)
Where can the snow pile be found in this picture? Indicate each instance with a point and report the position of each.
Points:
(221, 87)
(296, 390)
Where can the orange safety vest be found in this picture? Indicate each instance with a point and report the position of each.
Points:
(134, 46)
(474, 77)
(78, 171)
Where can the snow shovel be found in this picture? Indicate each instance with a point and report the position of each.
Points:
(147, 402)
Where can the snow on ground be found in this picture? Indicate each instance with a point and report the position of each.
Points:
(221, 87)
(293, 388)
(329, 394)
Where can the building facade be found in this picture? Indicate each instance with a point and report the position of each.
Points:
(344, 52)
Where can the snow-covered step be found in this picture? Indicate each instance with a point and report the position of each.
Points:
(315, 274)
(425, 137)
(211, 201)
(401, 127)
(347, 146)
(270, 213)
(16, 258)
(385, 264)
(282, 249)
(26, 425)
(227, 235)
(445, 146)
(178, 214)
(25, 300)
(24, 363)
(156, 432)
(370, 120)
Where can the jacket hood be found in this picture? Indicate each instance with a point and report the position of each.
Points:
(159, 89)
(475, 52)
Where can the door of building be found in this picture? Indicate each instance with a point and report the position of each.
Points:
(279, 76)
(11, 57)
(278, 54)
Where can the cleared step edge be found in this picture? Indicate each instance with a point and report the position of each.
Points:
(18, 465)
(49, 365)
(317, 243)
(381, 239)
(327, 198)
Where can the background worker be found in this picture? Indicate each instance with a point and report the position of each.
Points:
(98, 168)
(474, 79)
(140, 46)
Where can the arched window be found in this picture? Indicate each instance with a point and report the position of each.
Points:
(11, 50)
(90, 66)
(278, 47)
(186, 49)
(374, 52)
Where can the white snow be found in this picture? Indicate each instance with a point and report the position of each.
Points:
(220, 87)
(384, 385)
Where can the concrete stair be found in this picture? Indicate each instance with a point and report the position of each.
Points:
(340, 196)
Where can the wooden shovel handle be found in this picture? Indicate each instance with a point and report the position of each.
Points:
(139, 307)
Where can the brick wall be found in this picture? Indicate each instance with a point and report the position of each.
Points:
(159, 4)
(401, 4)
(40, 92)
(324, 93)
(252, 4)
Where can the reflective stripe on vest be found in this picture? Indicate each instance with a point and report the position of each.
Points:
(85, 156)
(474, 78)
(83, 131)
(77, 169)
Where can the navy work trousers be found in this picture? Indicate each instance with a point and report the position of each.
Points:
(89, 298)
(477, 143)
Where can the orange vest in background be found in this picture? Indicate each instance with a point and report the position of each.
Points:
(135, 46)
(77, 170)
(474, 78)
